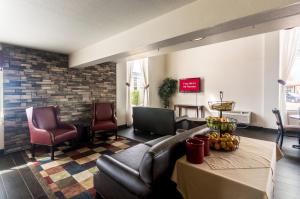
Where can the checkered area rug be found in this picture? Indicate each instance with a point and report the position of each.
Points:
(70, 175)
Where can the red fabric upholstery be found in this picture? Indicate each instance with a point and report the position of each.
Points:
(104, 117)
(50, 133)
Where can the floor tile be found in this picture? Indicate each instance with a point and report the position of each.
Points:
(87, 183)
(94, 156)
(69, 181)
(83, 160)
(74, 190)
(84, 149)
(99, 149)
(54, 170)
(59, 176)
(49, 165)
(82, 176)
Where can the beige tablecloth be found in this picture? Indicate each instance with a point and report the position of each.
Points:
(229, 181)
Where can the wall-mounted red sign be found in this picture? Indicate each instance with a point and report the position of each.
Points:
(190, 85)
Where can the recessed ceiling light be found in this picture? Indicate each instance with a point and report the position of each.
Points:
(199, 38)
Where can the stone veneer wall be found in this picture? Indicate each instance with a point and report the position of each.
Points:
(40, 78)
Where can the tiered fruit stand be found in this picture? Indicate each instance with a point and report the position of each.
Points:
(222, 129)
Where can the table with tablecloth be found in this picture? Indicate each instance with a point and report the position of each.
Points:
(247, 173)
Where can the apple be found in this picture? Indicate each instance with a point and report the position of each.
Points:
(217, 146)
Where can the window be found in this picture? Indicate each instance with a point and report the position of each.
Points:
(137, 86)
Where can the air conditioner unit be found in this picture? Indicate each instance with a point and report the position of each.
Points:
(243, 117)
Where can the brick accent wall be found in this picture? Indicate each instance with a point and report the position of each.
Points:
(40, 78)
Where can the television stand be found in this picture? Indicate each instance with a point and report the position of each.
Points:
(193, 107)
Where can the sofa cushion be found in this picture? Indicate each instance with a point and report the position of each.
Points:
(104, 125)
(202, 130)
(133, 156)
(64, 134)
(122, 175)
(160, 159)
(109, 187)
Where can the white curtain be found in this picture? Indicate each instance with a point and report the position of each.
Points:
(288, 42)
(144, 68)
(128, 101)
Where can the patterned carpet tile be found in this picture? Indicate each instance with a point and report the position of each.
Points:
(70, 175)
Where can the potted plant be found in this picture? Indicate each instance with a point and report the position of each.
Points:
(166, 90)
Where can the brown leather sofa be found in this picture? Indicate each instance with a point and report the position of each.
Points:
(142, 171)
(46, 129)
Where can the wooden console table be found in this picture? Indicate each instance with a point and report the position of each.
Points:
(193, 107)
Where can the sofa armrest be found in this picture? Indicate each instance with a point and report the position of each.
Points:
(123, 174)
(157, 140)
(40, 136)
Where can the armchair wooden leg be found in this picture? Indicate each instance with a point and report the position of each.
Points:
(278, 136)
(98, 196)
(281, 141)
(93, 136)
(73, 143)
(33, 150)
(52, 152)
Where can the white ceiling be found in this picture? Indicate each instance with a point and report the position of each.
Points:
(68, 25)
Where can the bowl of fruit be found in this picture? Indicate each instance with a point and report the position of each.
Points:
(221, 105)
(224, 142)
(221, 123)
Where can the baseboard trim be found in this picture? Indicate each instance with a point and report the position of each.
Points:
(123, 126)
(262, 128)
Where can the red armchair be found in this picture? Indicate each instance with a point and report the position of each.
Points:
(46, 129)
(104, 118)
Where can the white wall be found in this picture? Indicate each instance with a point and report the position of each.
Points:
(121, 93)
(236, 67)
(157, 72)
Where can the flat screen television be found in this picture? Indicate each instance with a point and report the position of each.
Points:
(190, 85)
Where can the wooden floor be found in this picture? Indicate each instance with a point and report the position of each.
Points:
(17, 181)
(287, 185)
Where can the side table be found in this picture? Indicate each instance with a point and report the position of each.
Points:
(83, 129)
(193, 107)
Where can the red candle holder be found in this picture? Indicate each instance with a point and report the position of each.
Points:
(205, 139)
(194, 150)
